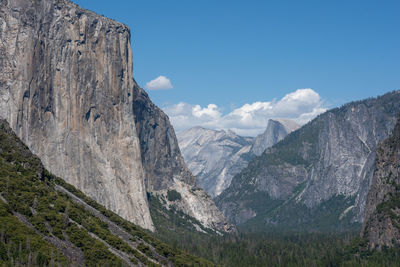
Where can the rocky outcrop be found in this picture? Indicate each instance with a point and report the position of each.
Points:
(382, 217)
(275, 132)
(196, 203)
(165, 168)
(214, 157)
(65, 225)
(67, 90)
(160, 152)
(327, 161)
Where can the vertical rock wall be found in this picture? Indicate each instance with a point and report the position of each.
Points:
(382, 217)
(67, 90)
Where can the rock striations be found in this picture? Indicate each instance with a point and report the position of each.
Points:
(45, 221)
(214, 157)
(161, 156)
(67, 90)
(165, 168)
(382, 217)
(321, 171)
(275, 132)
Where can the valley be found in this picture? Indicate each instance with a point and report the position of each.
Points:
(95, 171)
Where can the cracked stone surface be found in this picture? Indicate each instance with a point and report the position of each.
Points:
(330, 156)
(382, 226)
(67, 90)
(214, 157)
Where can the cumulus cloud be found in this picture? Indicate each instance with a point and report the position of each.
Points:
(249, 119)
(159, 83)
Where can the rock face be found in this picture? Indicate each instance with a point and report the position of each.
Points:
(214, 157)
(275, 132)
(161, 156)
(23, 176)
(165, 168)
(382, 217)
(67, 90)
(324, 168)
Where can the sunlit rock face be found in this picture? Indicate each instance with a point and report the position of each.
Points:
(329, 162)
(275, 132)
(67, 90)
(215, 157)
(165, 168)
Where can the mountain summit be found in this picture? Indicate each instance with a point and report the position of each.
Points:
(214, 157)
(318, 176)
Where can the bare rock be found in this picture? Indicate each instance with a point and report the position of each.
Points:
(66, 88)
(330, 157)
(382, 218)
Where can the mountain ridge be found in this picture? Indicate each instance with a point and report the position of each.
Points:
(215, 156)
(331, 156)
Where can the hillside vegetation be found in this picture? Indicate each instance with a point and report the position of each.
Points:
(45, 221)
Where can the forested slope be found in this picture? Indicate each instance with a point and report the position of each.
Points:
(47, 221)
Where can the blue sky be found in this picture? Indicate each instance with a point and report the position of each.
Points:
(233, 53)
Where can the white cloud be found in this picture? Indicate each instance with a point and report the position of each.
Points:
(250, 119)
(159, 83)
(210, 112)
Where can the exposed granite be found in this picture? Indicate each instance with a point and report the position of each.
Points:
(275, 132)
(331, 156)
(165, 168)
(215, 157)
(162, 160)
(382, 217)
(67, 90)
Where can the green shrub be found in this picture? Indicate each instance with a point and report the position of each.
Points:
(3, 252)
(173, 195)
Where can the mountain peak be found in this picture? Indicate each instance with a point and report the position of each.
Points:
(276, 130)
(215, 156)
(324, 168)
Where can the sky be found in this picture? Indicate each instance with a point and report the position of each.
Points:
(235, 64)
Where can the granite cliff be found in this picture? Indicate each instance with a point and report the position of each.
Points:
(275, 132)
(382, 217)
(67, 90)
(45, 221)
(318, 176)
(214, 157)
(165, 169)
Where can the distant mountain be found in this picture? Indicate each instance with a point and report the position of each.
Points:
(318, 176)
(214, 157)
(382, 218)
(46, 222)
(275, 132)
